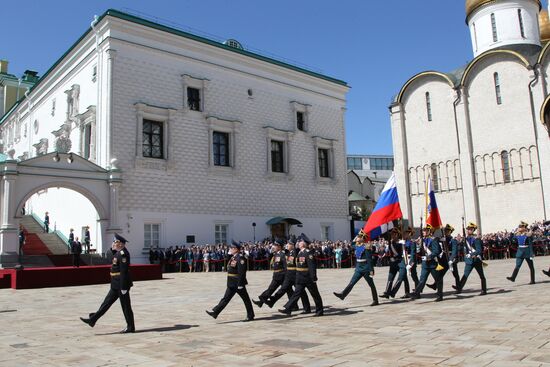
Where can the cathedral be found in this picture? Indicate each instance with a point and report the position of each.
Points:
(480, 132)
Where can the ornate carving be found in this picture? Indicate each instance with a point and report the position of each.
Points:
(41, 147)
(63, 144)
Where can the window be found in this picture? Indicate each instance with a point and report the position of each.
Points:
(277, 156)
(429, 106)
(300, 121)
(475, 36)
(355, 163)
(220, 233)
(193, 99)
(494, 26)
(326, 232)
(151, 235)
(521, 27)
(53, 107)
(384, 164)
(323, 163)
(220, 143)
(435, 177)
(505, 162)
(497, 88)
(94, 73)
(87, 140)
(153, 137)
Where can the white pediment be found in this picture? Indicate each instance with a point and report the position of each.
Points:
(61, 161)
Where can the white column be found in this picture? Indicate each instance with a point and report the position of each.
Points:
(9, 244)
(111, 54)
(113, 206)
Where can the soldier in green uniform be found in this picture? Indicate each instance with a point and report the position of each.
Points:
(431, 249)
(449, 255)
(473, 259)
(405, 265)
(236, 283)
(524, 242)
(395, 252)
(364, 268)
(306, 277)
(121, 282)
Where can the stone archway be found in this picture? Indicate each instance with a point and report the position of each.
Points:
(20, 180)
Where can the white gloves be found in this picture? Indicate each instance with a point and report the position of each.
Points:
(409, 267)
(123, 291)
(402, 242)
(239, 288)
(532, 258)
(450, 263)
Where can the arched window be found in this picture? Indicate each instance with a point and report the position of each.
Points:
(429, 106)
(494, 25)
(505, 162)
(497, 88)
(521, 27)
(435, 176)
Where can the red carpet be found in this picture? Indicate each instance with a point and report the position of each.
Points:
(34, 245)
(69, 276)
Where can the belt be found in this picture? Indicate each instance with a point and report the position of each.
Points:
(290, 268)
(278, 271)
(300, 269)
(525, 246)
(233, 275)
(361, 260)
(115, 274)
(424, 258)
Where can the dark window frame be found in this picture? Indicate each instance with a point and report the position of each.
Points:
(323, 157)
(277, 156)
(194, 99)
(153, 139)
(220, 148)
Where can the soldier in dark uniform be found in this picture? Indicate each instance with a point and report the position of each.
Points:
(306, 277)
(47, 223)
(449, 256)
(524, 242)
(87, 239)
(473, 259)
(121, 282)
(395, 253)
(430, 250)
(290, 280)
(405, 265)
(236, 283)
(21, 239)
(364, 268)
(279, 270)
(71, 236)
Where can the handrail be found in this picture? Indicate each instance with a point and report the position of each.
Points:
(58, 233)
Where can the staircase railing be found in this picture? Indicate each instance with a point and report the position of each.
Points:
(58, 233)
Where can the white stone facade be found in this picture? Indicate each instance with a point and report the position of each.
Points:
(135, 71)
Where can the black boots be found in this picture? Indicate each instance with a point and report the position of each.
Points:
(514, 275)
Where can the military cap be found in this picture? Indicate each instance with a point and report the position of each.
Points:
(304, 238)
(410, 230)
(235, 244)
(449, 228)
(278, 242)
(428, 227)
(119, 238)
(523, 224)
(291, 241)
(471, 225)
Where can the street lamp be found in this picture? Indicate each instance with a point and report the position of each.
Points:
(254, 229)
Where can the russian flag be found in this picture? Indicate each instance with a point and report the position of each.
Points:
(432, 213)
(386, 211)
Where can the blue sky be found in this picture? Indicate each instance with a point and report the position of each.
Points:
(373, 45)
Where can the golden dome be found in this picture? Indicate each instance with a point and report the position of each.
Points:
(544, 24)
(472, 5)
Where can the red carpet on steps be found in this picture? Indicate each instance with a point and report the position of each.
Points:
(34, 245)
(69, 276)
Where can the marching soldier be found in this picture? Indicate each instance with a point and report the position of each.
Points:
(430, 251)
(290, 280)
(473, 259)
(524, 242)
(121, 282)
(395, 252)
(406, 264)
(279, 270)
(306, 277)
(448, 259)
(364, 268)
(236, 283)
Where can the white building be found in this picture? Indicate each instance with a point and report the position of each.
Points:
(481, 131)
(199, 139)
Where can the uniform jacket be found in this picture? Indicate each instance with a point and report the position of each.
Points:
(362, 252)
(429, 257)
(453, 248)
(236, 271)
(474, 248)
(279, 265)
(120, 270)
(520, 241)
(308, 272)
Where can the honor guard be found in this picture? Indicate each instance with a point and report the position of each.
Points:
(524, 243)
(431, 249)
(364, 268)
(121, 282)
(395, 252)
(449, 255)
(279, 270)
(236, 283)
(405, 265)
(473, 259)
(306, 277)
(290, 279)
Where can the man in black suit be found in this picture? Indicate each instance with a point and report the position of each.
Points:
(121, 282)
(76, 250)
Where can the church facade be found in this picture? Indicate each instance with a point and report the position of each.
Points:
(480, 133)
(212, 142)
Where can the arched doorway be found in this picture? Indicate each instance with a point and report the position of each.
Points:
(22, 180)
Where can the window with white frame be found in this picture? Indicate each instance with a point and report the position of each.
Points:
(301, 115)
(153, 127)
(220, 233)
(151, 235)
(278, 152)
(326, 232)
(324, 154)
(222, 143)
(494, 27)
(497, 88)
(193, 93)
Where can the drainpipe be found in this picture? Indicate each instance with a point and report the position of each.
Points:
(98, 84)
(536, 70)
(455, 105)
(30, 124)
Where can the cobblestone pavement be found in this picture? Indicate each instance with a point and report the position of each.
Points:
(508, 327)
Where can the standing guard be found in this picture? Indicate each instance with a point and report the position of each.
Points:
(524, 242)
(430, 250)
(306, 277)
(473, 259)
(395, 252)
(406, 265)
(121, 282)
(364, 268)
(236, 283)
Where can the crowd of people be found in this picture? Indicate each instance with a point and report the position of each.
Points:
(328, 254)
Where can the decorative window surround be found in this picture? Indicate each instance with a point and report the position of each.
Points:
(328, 144)
(230, 127)
(304, 109)
(201, 84)
(73, 99)
(83, 120)
(285, 137)
(160, 114)
(41, 147)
